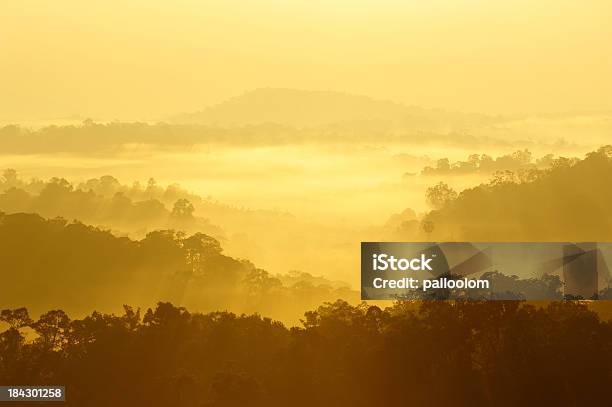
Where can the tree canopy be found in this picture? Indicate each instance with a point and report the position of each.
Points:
(503, 353)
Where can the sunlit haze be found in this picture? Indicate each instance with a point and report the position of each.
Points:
(147, 60)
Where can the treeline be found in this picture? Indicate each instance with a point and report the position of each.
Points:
(569, 201)
(133, 210)
(46, 262)
(502, 353)
(520, 160)
(101, 138)
(136, 209)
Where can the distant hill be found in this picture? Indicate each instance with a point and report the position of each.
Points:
(53, 262)
(569, 202)
(300, 108)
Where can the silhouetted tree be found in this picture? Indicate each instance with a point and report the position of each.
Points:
(439, 195)
(183, 209)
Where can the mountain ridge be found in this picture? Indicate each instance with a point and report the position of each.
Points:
(311, 108)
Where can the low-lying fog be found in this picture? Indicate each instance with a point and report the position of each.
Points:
(354, 184)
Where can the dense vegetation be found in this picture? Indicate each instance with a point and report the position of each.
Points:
(109, 138)
(462, 353)
(567, 202)
(49, 262)
(520, 160)
(133, 210)
(431, 353)
(274, 239)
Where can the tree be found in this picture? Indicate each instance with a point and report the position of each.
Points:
(17, 318)
(201, 245)
(52, 328)
(443, 165)
(440, 195)
(183, 209)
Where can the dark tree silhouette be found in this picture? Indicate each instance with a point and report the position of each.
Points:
(464, 353)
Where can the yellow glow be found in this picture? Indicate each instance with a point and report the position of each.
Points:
(136, 59)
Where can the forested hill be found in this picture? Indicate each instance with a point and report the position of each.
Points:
(109, 138)
(132, 210)
(54, 263)
(301, 108)
(500, 353)
(570, 201)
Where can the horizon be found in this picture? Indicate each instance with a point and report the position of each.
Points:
(77, 118)
(66, 58)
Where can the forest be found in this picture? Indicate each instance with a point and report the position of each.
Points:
(459, 353)
(484, 163)
(225, 332)
(564, 202)
(151, 242)
(99, 138)
(52, 260)
(186, 188)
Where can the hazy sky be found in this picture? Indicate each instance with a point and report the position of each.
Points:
(145, 59)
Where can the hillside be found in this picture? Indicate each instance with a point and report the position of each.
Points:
(570, 201)
(52, 262)
(300, 108)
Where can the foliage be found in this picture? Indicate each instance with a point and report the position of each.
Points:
(104, 201)
(439, 195)
(502, 353)
(44, 260)
(520, 160)
(567, 202)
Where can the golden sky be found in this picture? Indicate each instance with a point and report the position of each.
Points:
(147, 59)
